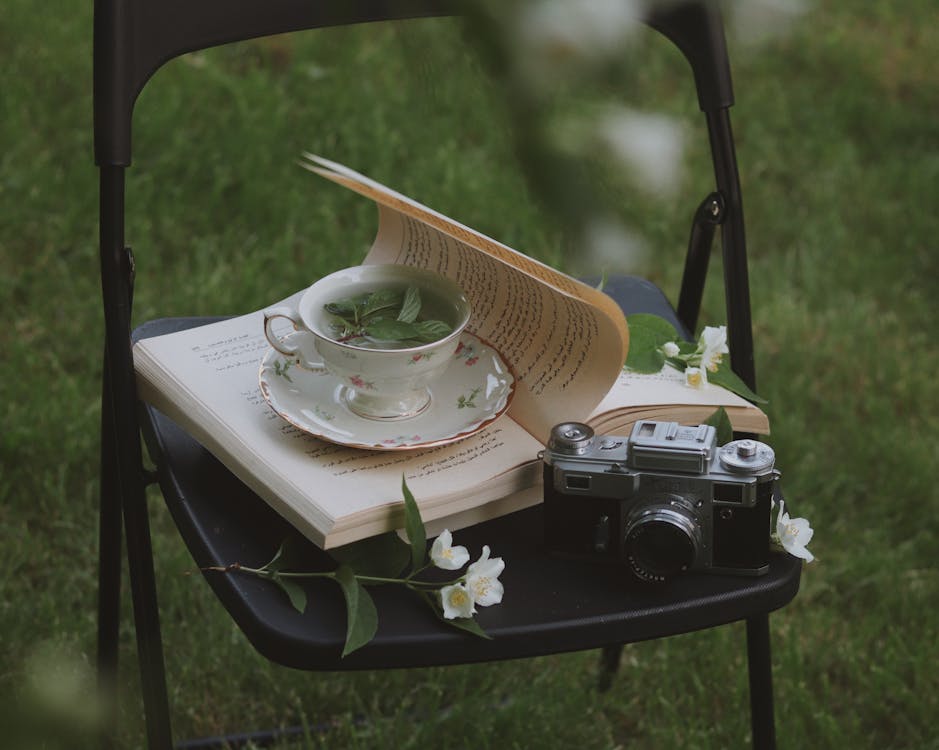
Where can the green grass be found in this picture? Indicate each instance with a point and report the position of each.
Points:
(839, 157)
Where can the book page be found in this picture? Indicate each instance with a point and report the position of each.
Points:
(206, 379)
(664, 395)
(565, 341)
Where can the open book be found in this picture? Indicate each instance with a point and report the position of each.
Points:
(565, 341)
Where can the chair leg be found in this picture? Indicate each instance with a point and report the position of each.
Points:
(147, 623)
(609, 666)
(109, 570)
(761, 683)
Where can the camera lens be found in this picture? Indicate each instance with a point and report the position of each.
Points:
(661, 541)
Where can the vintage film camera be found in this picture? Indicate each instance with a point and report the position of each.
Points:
(663, 501)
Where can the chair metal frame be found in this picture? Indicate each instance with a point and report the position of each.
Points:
(132, 39)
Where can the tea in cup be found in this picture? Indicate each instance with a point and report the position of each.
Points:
(386, 332)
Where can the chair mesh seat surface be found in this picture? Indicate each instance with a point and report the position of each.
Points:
(550, 605)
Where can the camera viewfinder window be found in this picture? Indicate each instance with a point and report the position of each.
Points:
(728, 493)
(578, 482)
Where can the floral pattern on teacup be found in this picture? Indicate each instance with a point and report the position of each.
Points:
(468, 401)
(280, 369)
(364, 385)
(466, 352)
(420, 357)
(323, 414)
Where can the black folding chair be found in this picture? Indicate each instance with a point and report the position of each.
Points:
(569, 606)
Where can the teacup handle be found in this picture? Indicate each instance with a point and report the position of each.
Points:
(281, 344)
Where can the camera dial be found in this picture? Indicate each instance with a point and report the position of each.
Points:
(747, 456)
(572, 438)
(662, 539)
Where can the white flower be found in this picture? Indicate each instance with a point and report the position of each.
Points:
(713, 346)
(456, 601)
(553, 34)
(794, 534)
(611, 245)
(482, 579)
(446, 556)
(670, 349)
(651, 146)
(695, 377)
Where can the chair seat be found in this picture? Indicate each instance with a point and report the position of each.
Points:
(550, 605)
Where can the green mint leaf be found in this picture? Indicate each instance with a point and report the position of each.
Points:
(731, 381)
(383, 556)
(647, 334)
(411, 306)
(721, 422)
(380, 300)
(294, 592)
(414, 526)
(345, 308)
(386, 329)
(432, 330)
(361, 615)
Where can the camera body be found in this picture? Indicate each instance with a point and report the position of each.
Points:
(663, 501)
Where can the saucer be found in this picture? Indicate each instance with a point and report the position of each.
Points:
(475, 389)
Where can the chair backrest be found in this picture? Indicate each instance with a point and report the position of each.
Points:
(133, 38)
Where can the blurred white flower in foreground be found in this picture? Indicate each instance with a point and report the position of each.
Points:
(482, 579)
(794, 534)
(753, 21)
(650, 146)
(445, 555)
(553, 36)
(610, 246)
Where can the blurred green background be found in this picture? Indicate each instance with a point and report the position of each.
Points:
(838, 142)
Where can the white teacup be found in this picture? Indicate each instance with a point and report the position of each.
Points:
(385, 381)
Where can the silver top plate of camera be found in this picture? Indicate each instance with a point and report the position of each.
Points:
(669, 446)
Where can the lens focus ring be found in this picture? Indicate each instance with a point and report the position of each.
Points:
(661, 541)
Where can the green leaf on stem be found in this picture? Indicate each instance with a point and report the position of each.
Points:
(647, 334)
(721, 422)
(467, 624)
(362, 617)
(288, 555)
(731, 381)
(294, 592)
(414, 526)
(383, 556)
